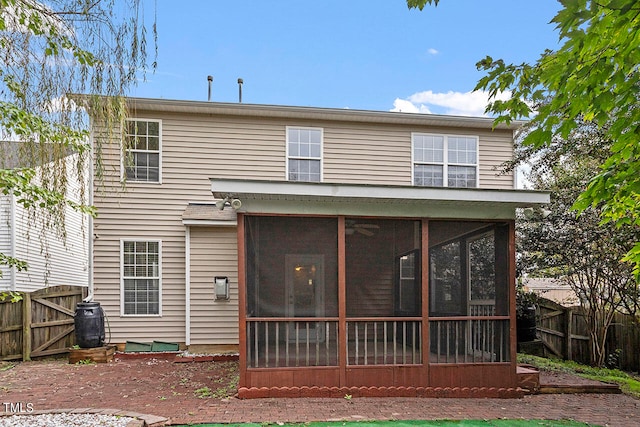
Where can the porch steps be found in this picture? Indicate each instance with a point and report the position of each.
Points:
(603, 388)
(528, 378)
(530, 381)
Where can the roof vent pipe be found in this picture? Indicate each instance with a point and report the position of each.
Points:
(240, 81)
(210, 80)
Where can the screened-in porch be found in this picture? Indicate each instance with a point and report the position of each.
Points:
(360, 301)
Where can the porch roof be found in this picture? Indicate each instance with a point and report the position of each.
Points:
(261, 196)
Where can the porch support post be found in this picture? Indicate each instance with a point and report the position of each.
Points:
(424, 273)
(242, 305)
(187, 286)
(511, 277)
(342, 303)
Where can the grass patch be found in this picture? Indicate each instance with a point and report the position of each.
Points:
(417, 423)
(629, 384)
(4, 366)
(224, 386)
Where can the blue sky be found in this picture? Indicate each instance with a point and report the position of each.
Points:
(358, 54)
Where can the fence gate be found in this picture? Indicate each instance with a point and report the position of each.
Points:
(41, 324)
(563, 331)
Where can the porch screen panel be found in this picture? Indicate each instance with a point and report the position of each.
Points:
(468, 292)
(292, 291)
(383, 291)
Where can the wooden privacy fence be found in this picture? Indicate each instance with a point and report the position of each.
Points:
(624, 335)
(563, 332)
(41, 324)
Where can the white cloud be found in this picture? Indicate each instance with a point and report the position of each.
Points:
(405, 106)
(450, 103)
(432, 51)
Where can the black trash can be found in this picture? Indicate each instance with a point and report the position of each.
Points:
(89, 325)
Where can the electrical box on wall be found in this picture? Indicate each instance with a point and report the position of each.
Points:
(221, 288)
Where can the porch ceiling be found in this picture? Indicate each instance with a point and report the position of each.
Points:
(384, 200)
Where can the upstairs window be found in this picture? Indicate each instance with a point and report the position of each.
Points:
(142, 151)
(304, 154)
(445, 161)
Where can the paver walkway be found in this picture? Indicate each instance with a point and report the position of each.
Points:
(168, 389)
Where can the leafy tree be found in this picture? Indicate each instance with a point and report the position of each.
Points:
(592, 77)
(48, 52)
(576, 248)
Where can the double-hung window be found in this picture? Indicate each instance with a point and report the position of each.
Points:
(141, 277)
(304, 154)
(445, 160)
(142, 150)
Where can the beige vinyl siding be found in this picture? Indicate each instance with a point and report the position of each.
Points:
(140, 211)
(364, 154)
(196, 147)
(213, 253)
(107, 285)
(191, 154)
(495, 149)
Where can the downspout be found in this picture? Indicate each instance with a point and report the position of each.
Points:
(91, 235)
(515, 169)
(187, 286)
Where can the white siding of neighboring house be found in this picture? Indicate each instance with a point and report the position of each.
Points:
(198, 147)
(5, 240)
(51, 261)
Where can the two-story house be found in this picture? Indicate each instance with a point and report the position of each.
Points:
(339, 251)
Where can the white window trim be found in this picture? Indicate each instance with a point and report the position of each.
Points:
(445, 157)
(287, 157)
(122, 153)
(138, 239)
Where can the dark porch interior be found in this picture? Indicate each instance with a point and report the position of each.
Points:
(402, 307)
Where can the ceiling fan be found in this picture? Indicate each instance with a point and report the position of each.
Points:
(352, 227)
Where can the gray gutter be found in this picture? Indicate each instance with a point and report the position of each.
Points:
(138, 105)
(317, 192)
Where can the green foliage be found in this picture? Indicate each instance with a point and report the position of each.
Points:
(20, 183)
(420, 4)
(503, 422)
(53, 51)
(5, 366)
(629, 383)
(225, 385)
(13, 296)
(594, 78)
(203, 393)
(524, 299)
(12, 262)
(577, 249)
